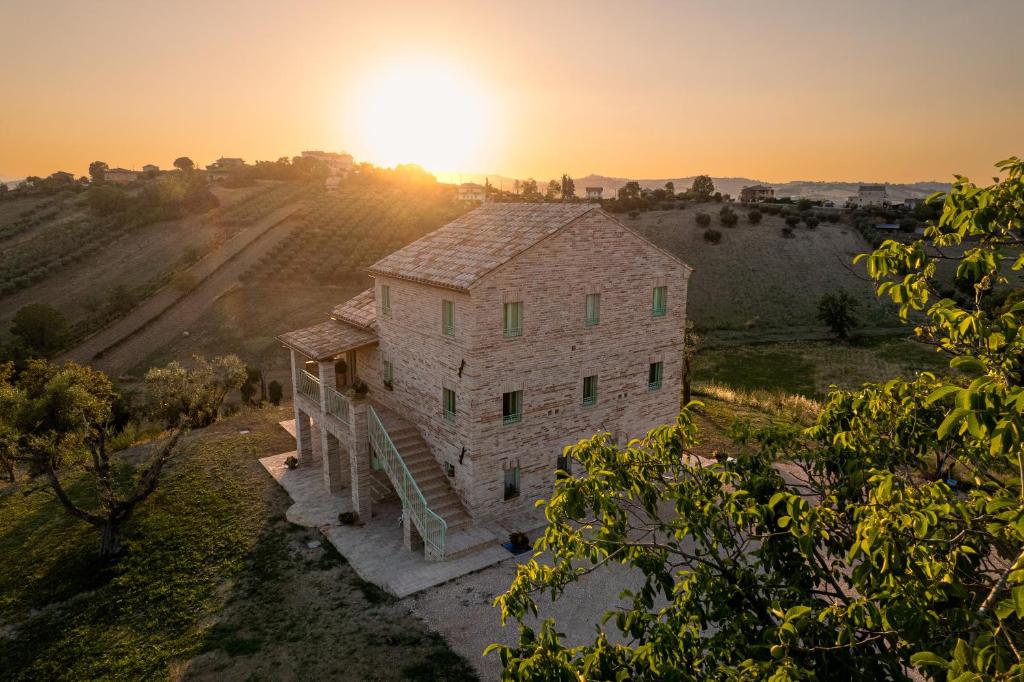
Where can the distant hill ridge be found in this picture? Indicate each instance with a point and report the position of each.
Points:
(810, 189)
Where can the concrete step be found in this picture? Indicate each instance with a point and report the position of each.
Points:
(465, 540)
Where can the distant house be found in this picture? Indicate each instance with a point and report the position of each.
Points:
(339, 163)
(220, 168)
(120, 176)
(756, 193)
(871, 195)
(912, 203)
(594, 193)
(472, 192)
(150, 169)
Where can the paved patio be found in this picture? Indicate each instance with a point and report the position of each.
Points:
(376, 550)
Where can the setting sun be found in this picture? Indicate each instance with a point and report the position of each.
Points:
(427, 113)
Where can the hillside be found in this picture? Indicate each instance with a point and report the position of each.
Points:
(93, 270)
(756, 284)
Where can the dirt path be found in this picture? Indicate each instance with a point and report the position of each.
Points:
(168, 313)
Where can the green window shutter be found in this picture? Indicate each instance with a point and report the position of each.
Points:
(590, 390)
(385, 298)
(654, 375)
(448, 318)
(513, 320)
(659, 301)
(593, 310)
(449, 404)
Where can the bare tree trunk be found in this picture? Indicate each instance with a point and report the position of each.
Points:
(110, 542)
(686, 379)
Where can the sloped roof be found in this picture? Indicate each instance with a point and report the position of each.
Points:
(327, 339)
(463, 251)
(360, 310)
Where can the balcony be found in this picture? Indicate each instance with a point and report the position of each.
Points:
(309, 386)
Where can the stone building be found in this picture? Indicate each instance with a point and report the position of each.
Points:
(480, 353)
(756, 193)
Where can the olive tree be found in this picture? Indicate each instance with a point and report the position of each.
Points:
(842, 551)
(58, 422)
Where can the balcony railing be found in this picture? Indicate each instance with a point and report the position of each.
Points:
(432, 528)
(309, 386)
(337, 405)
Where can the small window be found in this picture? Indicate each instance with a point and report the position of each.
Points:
(449, 404)
(387, 371)
(511, 479)
(592, 314)
(590, 390)
(658, 302)
(654, 375)
(448, 318)
(512, 407)
(513, 320)
(385, 298)
(563, 468)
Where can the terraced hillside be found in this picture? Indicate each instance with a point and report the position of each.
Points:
(94, 270)
(299, 280)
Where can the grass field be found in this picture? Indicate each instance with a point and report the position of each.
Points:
(756, 284)
(809, 368)
(215, 585)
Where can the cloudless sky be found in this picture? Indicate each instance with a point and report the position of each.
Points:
(898, 90)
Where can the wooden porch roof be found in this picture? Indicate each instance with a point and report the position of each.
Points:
(327, 340)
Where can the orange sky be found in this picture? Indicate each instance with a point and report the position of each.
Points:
(896, 91)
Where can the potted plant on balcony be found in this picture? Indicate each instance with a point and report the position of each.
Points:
(358, 389)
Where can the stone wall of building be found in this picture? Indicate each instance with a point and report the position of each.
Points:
(557, 350)
(425, 361)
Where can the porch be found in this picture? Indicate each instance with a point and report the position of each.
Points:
(376, 549)
(367, 453)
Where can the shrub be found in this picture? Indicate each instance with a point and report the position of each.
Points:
(792, 221)
(729, 219)
(291, 461)
(787, 231)
(754, 217)
(703, 219)
(811, 223)
(634, 213)
(835, 309)
(275, 392)
(712, 236)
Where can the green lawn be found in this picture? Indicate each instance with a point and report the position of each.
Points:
(216, 584)
(809, 367)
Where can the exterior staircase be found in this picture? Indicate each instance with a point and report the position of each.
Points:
(462, 535)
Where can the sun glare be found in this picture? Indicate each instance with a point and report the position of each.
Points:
(427, 113)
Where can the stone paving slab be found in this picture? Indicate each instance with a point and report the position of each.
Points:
(375, 550)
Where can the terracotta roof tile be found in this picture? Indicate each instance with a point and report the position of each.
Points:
(360, 310)
(460, 253)
(327, 339)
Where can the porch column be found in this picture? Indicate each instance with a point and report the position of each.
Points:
(303, 437)
(303, 434)
(359, 459)
(336, 474)
(329, 447)
(410, 536)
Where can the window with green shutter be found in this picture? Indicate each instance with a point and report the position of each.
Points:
(654, 376)
(387, 371)
(449, 404)
(385, 298)
(513, 320)
(590, 390)
(592, 314)
(659, 300)
(511, 469)
(448, 318)
(511, 407)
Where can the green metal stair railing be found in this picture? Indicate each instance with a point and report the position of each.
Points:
(432, 527)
